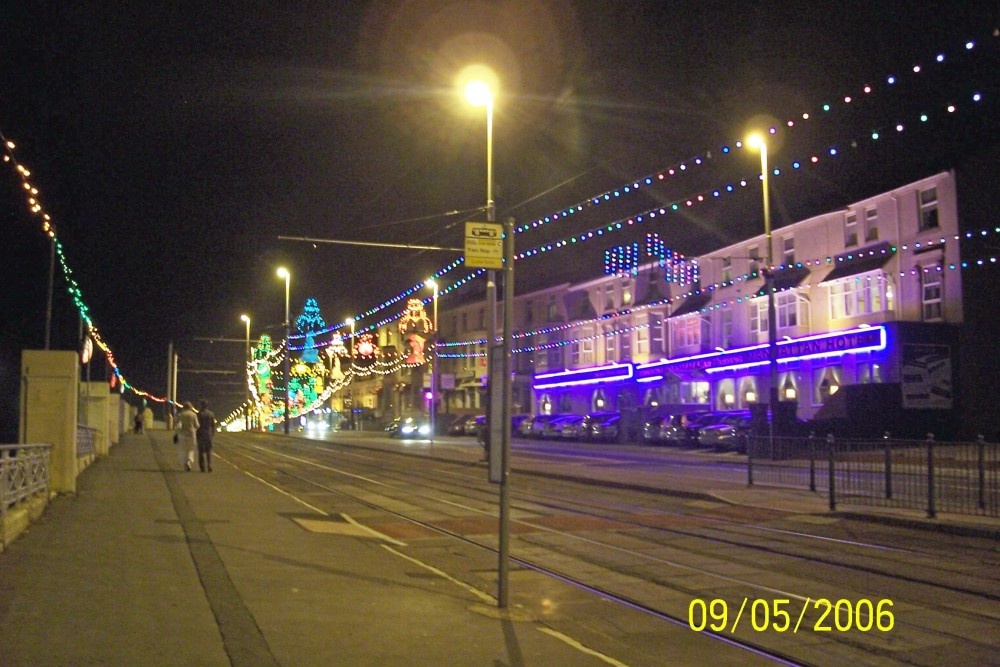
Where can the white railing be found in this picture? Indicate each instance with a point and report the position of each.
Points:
(24, 472)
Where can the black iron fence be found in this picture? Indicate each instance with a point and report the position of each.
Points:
(956, 477)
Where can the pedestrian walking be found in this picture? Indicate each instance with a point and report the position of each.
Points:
(206, 429)
(186, 435)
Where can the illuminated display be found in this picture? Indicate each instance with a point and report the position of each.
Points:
(613, 373)
(852, 341)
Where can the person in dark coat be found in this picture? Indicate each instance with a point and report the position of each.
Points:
(206, 429)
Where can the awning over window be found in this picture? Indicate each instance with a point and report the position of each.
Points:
(692, 304)
(864, 260)
(787, 278)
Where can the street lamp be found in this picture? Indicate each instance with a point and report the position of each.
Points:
(434, 286)
(283, 273)
(350, 357)
(479, 93)
(757, 141)
(246, 319)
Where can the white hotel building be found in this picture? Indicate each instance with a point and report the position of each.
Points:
(865, 295)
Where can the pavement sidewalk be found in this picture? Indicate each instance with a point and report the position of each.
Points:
(151, 565)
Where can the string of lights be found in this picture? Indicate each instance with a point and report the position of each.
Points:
(874, 135)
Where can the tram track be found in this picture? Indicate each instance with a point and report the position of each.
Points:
(391, 480)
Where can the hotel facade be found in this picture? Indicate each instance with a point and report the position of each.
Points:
(867, 301)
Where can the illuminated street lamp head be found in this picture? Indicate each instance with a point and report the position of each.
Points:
(431, 283)
(478, 93)
(245, 318)
(756, 141)
(283, 272)
(349, 322)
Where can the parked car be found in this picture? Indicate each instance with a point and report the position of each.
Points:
(552, 429)
(586, 428)
(572, 428)
(681, 428)
(725, 432)
(457, 427)
(538, 424)
(515, 423)
(473, 426)
(606, 428)
(651, 429)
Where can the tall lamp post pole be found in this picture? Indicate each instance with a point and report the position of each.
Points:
(350, 356)
(283, 273)
(480, 94)
(246, 320)
(757, 141)
(433, 285)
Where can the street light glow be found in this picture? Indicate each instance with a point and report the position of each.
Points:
(756, 141)
(283, 272)
(478, 93)
(245, 318)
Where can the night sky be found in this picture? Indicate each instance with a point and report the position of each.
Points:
(173, 143)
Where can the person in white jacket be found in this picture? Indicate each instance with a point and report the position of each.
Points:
(187, 431)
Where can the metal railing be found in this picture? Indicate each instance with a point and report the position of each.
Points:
(955, 477)
(24, 472)
(85, 437)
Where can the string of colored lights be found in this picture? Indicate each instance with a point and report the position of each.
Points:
(682, 166)
(892, 81)
(36, 208)
(48, 228)
(818, 262)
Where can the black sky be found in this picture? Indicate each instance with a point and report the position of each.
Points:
(174, 142)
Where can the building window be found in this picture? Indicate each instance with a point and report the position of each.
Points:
(727, 269)
(656, 347)
(529, 312)
(465, 321)
(541, 354)
(862, 295)
(753, 253)
(791, 311)
(609, 297)
(694, 392)
(482, 318)
(687, 332)
(610, 345)
(851, 229)
(930, 288)
(869, 372)
(587, 346)
(787, 309)
(871, 224)
(642, 342)
(758, 317)
(928, 209)
(788, 251)
(726, 328)
(552, 312)
(626, 293)
(626, 341)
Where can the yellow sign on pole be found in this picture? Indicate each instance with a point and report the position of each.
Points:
(484, 245)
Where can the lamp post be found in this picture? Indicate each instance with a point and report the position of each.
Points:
(350, 356)
(757, 141)
(433, 285)
(479, 93)
(283, 273)
(246, 320)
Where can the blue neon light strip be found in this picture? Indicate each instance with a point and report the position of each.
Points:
(851, 341)
(612, 373)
